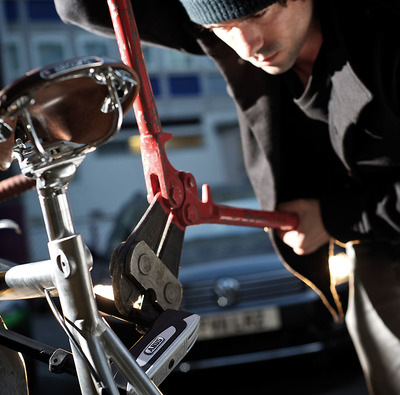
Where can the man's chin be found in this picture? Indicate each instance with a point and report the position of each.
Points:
(278, 65)
(274, 70)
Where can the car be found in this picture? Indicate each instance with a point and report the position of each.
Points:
(252, 308)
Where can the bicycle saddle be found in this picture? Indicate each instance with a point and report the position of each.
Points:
(78, 100)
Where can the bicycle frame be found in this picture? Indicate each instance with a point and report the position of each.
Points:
(67, 273)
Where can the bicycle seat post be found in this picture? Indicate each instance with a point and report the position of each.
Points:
(53, 197)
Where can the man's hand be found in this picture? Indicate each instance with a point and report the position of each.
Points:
(310, 233)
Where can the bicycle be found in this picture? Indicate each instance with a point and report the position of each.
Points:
(59, 114)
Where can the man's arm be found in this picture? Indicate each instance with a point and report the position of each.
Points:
(159, 22)
(363, 213)
(350, 214)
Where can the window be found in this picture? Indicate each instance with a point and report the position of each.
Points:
(14, 65)
(94, 48)
(50, 52)
(155, 85)
(215, 84)
(89, 44)
(46, 49)
(152, 58)
(42, 10)
(175, 61)
(11, 11)
(185, 85)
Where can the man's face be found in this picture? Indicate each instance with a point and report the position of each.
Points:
(271, 39)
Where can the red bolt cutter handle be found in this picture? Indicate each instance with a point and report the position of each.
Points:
(209, 212)
(160, 176)
(178, 190)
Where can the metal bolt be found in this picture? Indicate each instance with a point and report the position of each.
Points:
(171, 292)
(192, 213)
(64, 265)
(144, 264)
(176, 193)
(190, 181)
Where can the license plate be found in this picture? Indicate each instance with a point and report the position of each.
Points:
(239, 323)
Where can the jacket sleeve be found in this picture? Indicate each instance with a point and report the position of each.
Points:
(368, 206)
(159, 22)
(363, 213)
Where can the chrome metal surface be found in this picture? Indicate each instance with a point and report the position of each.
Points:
(25, 281)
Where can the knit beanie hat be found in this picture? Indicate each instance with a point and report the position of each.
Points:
(205, 12)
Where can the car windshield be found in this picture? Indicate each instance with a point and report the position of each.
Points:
(212, 242)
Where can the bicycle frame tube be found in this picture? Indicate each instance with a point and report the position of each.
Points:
(25, 281)
(71, 261)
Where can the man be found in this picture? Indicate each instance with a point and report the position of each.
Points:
(317, 98)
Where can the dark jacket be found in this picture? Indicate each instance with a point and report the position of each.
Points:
(349, 161)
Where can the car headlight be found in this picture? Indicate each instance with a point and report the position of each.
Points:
(340, 267)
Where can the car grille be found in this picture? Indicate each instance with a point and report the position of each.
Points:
(253, 287)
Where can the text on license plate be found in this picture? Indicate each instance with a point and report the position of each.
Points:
(239, 323)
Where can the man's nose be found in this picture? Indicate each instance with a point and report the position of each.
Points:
(248, 40)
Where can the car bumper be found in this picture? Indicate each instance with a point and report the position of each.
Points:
(254, 357)
(307, 328)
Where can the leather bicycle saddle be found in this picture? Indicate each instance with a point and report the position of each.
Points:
(74, 100)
